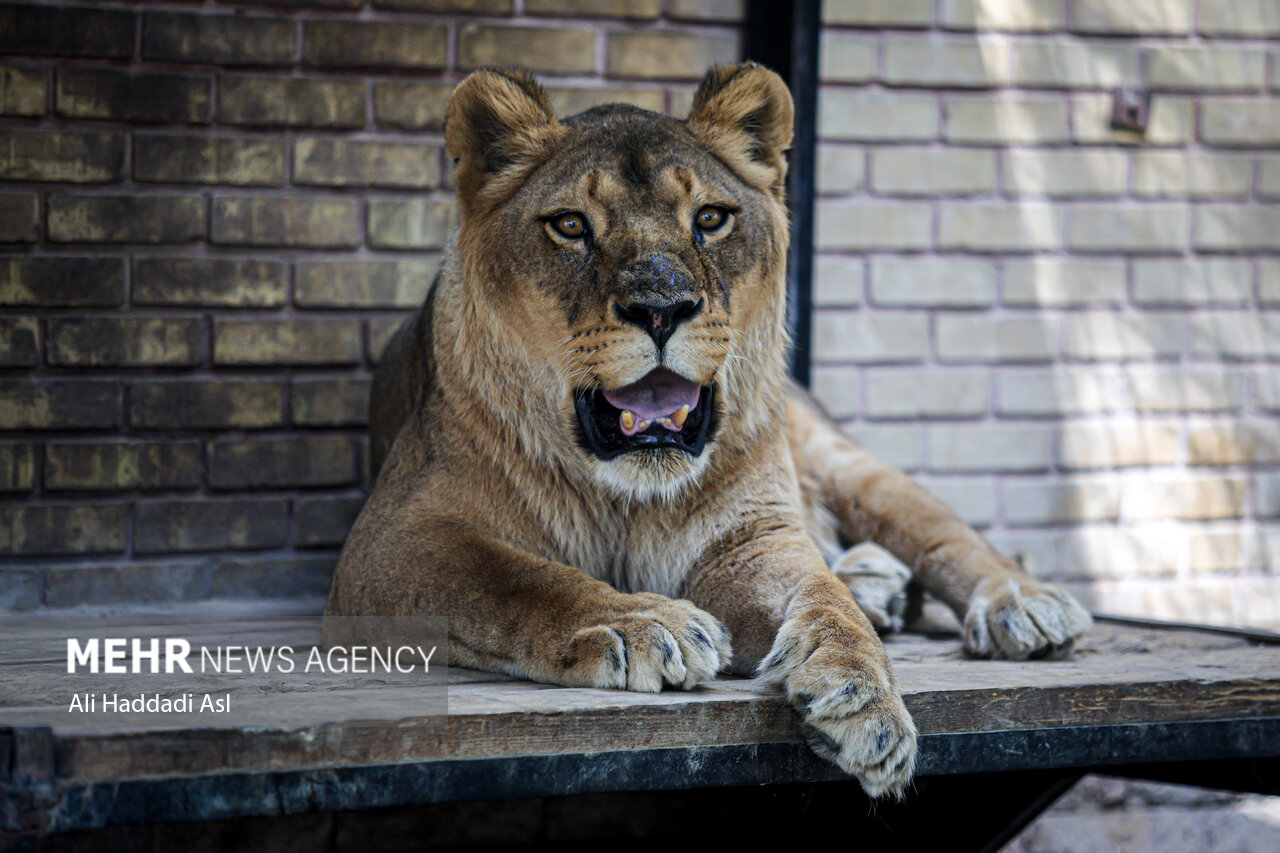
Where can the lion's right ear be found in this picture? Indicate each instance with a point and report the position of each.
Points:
(497, 125)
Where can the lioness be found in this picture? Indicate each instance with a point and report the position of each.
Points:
(589, 456)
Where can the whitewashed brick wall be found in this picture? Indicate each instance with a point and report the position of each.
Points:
(1069, 333)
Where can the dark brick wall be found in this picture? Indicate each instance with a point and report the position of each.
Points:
(212, 217)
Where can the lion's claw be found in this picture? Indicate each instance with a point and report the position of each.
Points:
(1020, 619)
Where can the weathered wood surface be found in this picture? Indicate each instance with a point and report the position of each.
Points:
(1120, 675)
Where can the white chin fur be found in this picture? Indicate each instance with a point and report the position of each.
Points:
(646, 476)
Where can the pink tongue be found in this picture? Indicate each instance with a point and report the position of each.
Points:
(657, 395)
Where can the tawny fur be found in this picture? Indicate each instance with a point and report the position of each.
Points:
(655, 569)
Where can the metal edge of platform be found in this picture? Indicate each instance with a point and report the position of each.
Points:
(48, 806)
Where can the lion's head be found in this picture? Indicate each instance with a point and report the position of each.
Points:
(624, 271)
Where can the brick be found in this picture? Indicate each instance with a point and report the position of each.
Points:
(1110, 335)
(330, 402)
(63, 156)
(1171, 121)
(990, 447)
(125, 218)
(62, 529)
(19, 342)
(17, 466)
(19, 218)
(940, 282)
(411, 105)
(931, 171)
(316, 4)
(987, 227)
(1136, 17)
(253, 99)
(274, 577)
(211, 282)
(1269, 281)
(838, 281)
(138, 583)
(1189, 283)
(874, 116)
(889, 225)
(178, 526)
(899, 445)
(62, 281)
(126, 342)
(1006, 119)
(1065, 173)
(1021, 16)
(23, 91)
(323, 521)
(316, 223)
(707, 10)
(634, 9)
(381, 330)
(1074, 64)
(363, 284)
(1055, 391)
(1148, 228)
(571, 101)
(667, 55)
(1111, 553)
(389, 44)
(1239, 17)
(1269, 177)
(1233, 549)
(930, 392)
(970, 337)
(1063, 282)
(841, 170)
(837, 389)
(1206, 69)
(21, 589)
(134, 96)
(847, 57)
(878, 13)
(218, 39)
(59, 404)
(1198, 498)
(863, 338)
(1235, 334)
(282, 463)
(365, 163)
(1183, 389)
(1060, 502)
(1114, 444)
(119, 466)
(944, 61)
(206, 404)
(41, 30)
(1228, 228)
(1267, 496)
(420, 223)
(1183, 174)
(971, 498)
(1034, 550)
(1233, 444)
(290, 341)
(168, 158)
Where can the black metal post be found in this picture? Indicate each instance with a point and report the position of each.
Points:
(784, 37)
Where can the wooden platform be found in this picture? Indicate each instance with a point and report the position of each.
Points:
(1131, 695)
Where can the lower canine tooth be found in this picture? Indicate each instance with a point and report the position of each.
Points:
(679, 416)
(628, 420)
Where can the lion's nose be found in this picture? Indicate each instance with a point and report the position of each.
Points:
(660, 321)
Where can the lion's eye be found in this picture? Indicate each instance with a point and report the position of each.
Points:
(571, 225)
(710, 218)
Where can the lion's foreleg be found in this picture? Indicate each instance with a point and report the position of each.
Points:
(797, 626)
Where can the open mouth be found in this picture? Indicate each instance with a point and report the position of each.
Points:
(659, 411)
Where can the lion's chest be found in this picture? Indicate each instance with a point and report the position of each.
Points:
(635, 553)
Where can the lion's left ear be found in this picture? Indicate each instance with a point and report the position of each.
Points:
(498, 125)
(745, 115)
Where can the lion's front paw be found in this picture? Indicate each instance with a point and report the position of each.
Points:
(844, 692)
(878, 581)
(671, 643)
(1022, 618)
